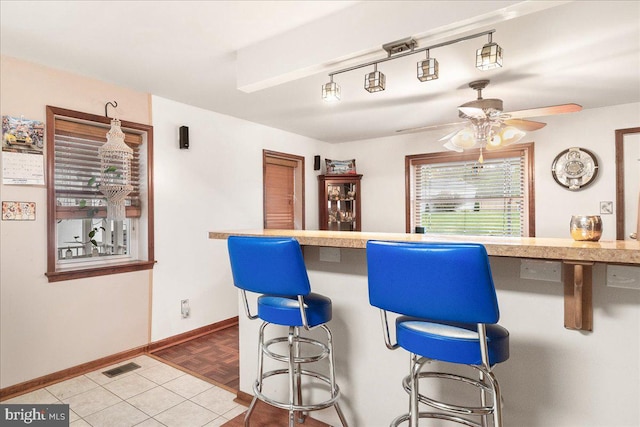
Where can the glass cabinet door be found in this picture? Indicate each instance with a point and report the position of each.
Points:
(339, 203)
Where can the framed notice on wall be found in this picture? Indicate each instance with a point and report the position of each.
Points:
(22, 151)
(18, 211)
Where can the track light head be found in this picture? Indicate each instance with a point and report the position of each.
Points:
(331, 91)
(374, 81)
(489, 56)
(428, 69)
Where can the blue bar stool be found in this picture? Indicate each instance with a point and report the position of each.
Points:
(274, 268)
(448, 309)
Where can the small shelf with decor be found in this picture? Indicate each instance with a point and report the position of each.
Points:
(339, 202)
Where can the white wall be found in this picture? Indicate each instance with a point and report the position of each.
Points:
(216, 184)
(46, 327)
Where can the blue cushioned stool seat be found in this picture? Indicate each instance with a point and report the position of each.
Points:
(286, 310)
(451, 342)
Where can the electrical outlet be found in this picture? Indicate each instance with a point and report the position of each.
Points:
(548, 271)
(623, 276)
(329, 254)
(185, 310)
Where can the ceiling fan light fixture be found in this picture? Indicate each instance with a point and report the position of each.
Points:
(489, 56)
(464, 139)
(510, 135)
(506, 135)
(331, 91)
(428, 69)
(374, 81)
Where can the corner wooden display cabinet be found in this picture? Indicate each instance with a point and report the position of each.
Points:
(339, 202)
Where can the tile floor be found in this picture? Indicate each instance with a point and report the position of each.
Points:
(155, 394)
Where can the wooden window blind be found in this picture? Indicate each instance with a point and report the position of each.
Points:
(77, 170)
(453, 194)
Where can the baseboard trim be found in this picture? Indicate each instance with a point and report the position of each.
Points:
(189, 335)
(243, 398)
(65, 374)
(56, 377)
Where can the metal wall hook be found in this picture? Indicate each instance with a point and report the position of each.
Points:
(114, 104)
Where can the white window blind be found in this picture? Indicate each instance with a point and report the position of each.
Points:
(77, 171)
(466, 197)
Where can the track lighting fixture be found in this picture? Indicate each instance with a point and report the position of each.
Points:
(487, 58)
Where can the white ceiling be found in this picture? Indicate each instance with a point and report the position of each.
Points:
(280, 52)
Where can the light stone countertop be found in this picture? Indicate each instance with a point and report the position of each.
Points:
(610, 252)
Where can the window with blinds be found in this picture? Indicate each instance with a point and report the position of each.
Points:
(81, 241)
(455, 194)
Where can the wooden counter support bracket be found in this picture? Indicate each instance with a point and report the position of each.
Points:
(578, 305)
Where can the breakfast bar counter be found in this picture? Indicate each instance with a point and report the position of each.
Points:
(611, 252)
(533, 310)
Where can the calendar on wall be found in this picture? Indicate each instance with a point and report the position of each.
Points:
(22, 151)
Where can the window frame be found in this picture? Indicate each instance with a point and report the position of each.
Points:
(451, 156)
(54, 272)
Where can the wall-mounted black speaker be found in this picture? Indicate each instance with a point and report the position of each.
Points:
(184, 137)
(316, 163)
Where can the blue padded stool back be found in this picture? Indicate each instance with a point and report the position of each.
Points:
(448, 282)
(268, 265)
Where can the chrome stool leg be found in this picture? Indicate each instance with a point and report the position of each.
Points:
(257, 386)
(292, 375)
(300, 415)
(250, 410)
(332, 376)
(414, 412)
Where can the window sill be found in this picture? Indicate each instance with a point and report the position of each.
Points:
(58, 276)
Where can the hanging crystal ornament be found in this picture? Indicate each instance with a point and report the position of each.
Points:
(115, 171)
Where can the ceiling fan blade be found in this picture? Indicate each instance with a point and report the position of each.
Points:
(476, 113)
(432, 127)
(528, 125)
(546, 111)
(449, 135)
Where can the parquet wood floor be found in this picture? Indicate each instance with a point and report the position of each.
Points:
(214, 356)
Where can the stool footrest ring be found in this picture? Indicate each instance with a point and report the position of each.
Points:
(335, 393)
(462, 410)
(405, 417)
(324, 350)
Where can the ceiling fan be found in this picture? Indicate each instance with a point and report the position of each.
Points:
(487, 126)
